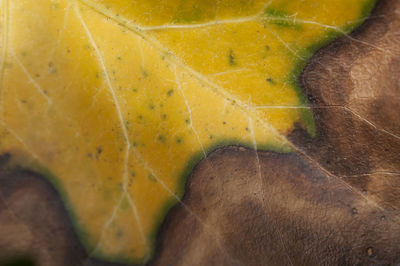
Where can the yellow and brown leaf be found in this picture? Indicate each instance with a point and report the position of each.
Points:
(115, 101)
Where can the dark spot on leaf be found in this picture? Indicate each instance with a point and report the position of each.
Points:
(231, 58)
(170, 92)
(119, 233)
(161, 138)
(270, 81)
(152, 178)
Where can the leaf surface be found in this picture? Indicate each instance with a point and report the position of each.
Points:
(116, 101)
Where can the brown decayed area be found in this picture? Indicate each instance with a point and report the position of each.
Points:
(354, 87)
(334, 203)
(295, 214)
(33, 221)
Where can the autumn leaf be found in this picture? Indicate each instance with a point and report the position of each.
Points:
(116, 101)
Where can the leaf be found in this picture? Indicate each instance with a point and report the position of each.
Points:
(116, 101)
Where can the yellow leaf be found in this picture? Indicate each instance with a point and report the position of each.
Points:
(115, 101)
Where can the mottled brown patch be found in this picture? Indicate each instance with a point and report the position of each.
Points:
(33, 221)
(354, 88)
(334, 202)
(288, 213)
